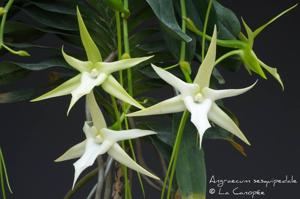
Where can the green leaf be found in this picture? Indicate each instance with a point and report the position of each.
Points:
(164, 11)
(20, 32)
(10, 72)
(60, 8)
(227, 22)
(46, 64)
(16, 96)
(191, 175)
(50, 19)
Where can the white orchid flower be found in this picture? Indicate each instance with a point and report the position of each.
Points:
(100, 140)
(93, 72)
(198, 98)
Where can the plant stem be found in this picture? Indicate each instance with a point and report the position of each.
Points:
(83, 181)
(4, 16)
(119, 42)
(127, 48)
(176, 148)
(229, 54)
(185, 115)
(183, 28)
(205, 28)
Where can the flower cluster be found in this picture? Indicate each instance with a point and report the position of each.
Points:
(196, 97)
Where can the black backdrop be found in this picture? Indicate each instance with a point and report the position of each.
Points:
(34, 134)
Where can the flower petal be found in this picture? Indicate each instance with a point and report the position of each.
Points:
(221, 94)
(81, 66)
(183, 87)
(250, 33)
(199, 112)
(273, 72)
(63, 89)
(110, 67)
(261, 28)
(74, 152)
(92, 151)
(204, 73)
(86, 85)
(121, 156)
(117, 136)
(112, 86)
(90, 47)
(97, 116)
(219, 117)
(172, 105)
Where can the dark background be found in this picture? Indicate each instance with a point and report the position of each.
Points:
(34, 134)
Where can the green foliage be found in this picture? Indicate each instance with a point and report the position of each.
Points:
(4, 180)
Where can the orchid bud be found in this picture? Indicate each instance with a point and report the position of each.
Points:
(22, 53)
(2, 11)
(185, 67)
(191, 26)
(118, 6)
(125, 56)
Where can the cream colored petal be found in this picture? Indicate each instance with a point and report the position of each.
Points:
(183, 87)
(221, 94)
(121, 156)
(74, 152)
(64, 89)
(92, 151)
(110, 67)
(205, 70)
(97, 116)
(87, 83)
(199, 112)
(219, 117)
(90, 47)
(172, 105)
(112, 86)
(81, 66)
(125, 134)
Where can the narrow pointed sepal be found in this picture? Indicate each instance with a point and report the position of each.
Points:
(205, 70)
(64, 89)
(94, 109)
(126, 134)
(221, 94)
(121, 156)
(273, 72)
(74, 152)
(172, 105)
(90, 47)
(81, 66)
(261, 28)
(110, 67)
(219, 117)
(112, 86)
(183, 87)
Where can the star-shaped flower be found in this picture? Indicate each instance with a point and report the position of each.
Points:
(198, 98)
(93, 72)
(100, 140)
(244, 47)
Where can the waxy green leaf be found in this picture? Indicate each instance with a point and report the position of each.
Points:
(164, 11)
(191, 169)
